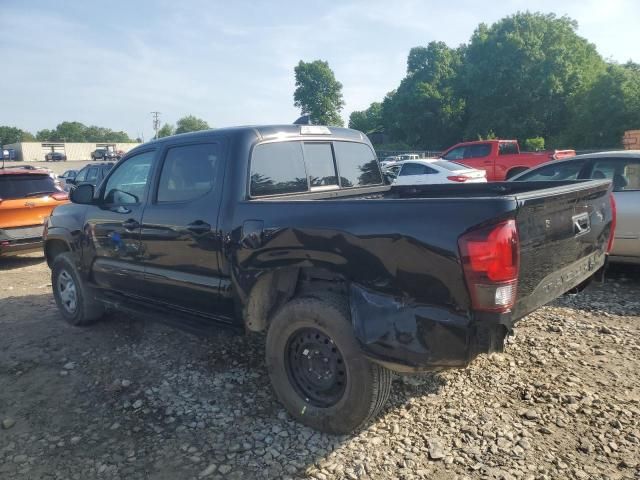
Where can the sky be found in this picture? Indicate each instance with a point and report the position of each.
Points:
(113, 62)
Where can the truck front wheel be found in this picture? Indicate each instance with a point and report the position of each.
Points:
(317, 369)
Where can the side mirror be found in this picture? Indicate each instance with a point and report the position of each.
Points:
(71, 181)
(82, 194)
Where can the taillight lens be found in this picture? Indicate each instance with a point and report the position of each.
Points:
(60, 196)
(458, 178)
(614, 216)
(490, 258)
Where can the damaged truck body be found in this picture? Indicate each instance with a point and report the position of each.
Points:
(290, 230)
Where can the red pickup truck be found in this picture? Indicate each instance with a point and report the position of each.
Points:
(501, 159)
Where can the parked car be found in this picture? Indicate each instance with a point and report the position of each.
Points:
(91, 174)
(389, 161)
(55, 157)
(67, 175)
(501, 159)
(422, 172)
(289, 229)
(105, 154)
(27, 197)
(623, 169)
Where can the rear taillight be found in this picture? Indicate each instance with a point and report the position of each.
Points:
(458, 178)
(614, 215)
(490, 258)
(60, 196)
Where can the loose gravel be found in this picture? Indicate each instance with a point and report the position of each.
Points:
(129, 399)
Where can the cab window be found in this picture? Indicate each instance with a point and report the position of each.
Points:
(278, 168)
(554, 171)
(127, 183)
(624, 173)
(188, 172)
(416, 169)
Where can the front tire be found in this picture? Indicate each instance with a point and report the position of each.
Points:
(76, 300)
(317, 369)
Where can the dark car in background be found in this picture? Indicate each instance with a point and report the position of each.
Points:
(104, 154)
(91, 174)
(623, 169)
(55, 157)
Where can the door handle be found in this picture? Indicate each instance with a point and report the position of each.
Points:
(130, 224)
(488, 162)
(199, 227)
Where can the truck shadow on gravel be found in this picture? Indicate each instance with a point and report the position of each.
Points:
(11, 263)
(135, 398)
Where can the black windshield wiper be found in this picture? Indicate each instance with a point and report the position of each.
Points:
(35, 194)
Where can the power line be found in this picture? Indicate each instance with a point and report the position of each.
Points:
(156, 122)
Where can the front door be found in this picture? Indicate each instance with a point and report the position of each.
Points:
(113, 226)
(180, 235)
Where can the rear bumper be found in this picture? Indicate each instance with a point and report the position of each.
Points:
(14, 241)
(410, 338)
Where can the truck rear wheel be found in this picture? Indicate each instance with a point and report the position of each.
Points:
(317, 369)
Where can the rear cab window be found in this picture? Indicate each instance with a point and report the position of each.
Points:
(307, 166)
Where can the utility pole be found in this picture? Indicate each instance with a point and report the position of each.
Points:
(156, 122)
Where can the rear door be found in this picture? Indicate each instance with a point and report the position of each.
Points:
(180, 234)
(113, 225)
(564, 232)
(624, 173)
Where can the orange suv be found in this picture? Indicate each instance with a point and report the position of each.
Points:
(27, 197)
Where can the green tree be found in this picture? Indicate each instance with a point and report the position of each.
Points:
(520, 73)
(10, 135)
(534, 144)
(190, 124)
(426, 110)
(78, 132)
(318, 93)
(600, 115)
(166, 130)
(367, 120)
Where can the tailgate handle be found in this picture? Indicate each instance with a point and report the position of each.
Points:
(581, 224)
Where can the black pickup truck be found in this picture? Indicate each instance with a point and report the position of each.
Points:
(291, 230)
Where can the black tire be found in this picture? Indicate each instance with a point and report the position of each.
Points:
(76, 300)
(366, 385)
(515, 171)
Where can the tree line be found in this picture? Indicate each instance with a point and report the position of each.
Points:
(78, 132)
(529, 76)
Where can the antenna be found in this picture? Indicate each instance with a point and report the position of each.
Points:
(156, 122)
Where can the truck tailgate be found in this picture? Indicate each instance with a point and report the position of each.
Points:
(564, 233)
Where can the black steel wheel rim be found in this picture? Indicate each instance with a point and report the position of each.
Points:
(315, 367)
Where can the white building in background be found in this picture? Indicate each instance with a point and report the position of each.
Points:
(36, 151)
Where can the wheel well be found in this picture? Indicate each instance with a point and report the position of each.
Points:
(53, 248)
(276, 288)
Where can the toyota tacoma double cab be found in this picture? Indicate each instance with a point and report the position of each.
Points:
(290, 230)
(501, 159)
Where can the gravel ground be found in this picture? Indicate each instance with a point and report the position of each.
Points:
(130, 399)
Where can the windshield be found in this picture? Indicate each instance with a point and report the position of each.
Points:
(20, 186)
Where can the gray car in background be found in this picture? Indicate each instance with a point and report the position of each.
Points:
(623, 169)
